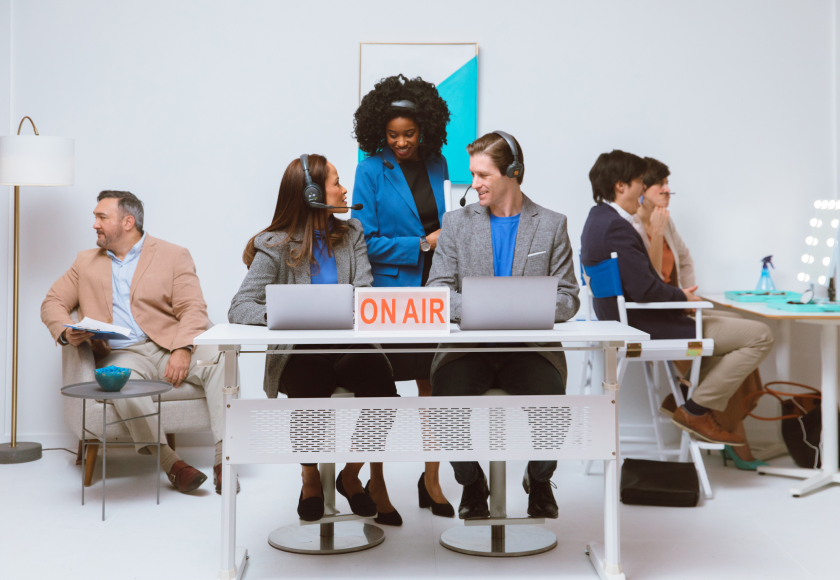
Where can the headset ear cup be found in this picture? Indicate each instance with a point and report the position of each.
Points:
(313, 194)
(514, 170)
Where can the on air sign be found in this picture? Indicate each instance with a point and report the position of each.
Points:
(402, 310)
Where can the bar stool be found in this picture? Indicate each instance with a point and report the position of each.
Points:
(335, 533)
(499, 536)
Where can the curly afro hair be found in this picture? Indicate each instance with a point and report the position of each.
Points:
(375, 112)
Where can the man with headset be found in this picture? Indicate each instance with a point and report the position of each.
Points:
(504, 234)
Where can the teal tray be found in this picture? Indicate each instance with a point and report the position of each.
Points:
(760, 296)
(813, 307)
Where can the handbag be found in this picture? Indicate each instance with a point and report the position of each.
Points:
(659, 483)
(801, 422)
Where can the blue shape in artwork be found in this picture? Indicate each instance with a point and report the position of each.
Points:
(460, 91)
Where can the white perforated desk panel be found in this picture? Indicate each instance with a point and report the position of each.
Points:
(546, 427)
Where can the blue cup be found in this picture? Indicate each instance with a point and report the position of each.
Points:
(112, 379)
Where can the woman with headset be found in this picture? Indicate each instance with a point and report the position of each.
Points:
(401, 127)
(306, 244)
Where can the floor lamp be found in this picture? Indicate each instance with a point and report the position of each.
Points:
(29, 160)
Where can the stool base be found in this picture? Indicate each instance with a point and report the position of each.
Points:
(517, 541)
(346, 537)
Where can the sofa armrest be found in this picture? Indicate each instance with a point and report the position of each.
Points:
(77, 364)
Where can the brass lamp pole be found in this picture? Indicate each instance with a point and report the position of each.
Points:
(29, 160)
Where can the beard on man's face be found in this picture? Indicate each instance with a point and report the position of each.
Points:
(108, 239)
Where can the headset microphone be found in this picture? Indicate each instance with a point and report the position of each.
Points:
(464, 198)
(388, 164)
(317, 205)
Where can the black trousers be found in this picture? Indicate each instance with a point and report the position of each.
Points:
(517, 373)
(316, 376)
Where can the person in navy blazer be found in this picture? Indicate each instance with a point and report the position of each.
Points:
(740, 345)
(401, 127)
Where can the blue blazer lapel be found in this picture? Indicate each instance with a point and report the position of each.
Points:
(435, 169)
(397, 180)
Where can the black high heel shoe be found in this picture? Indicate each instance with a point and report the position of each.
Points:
(386, 519)
(311, 509)
(360, 504)
(444, 510)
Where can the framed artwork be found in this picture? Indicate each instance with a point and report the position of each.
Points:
(453, 68)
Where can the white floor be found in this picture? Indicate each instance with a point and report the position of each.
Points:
(751, 529)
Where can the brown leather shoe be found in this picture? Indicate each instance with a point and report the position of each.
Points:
(217, 479)
(185, 478)
(705, 427)
(669, 404)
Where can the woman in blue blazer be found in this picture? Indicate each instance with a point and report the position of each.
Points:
(401, 126)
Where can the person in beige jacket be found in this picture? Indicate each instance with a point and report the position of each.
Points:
(672, 260)
(149, 286)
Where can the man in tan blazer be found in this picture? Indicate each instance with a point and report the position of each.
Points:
(149, 286)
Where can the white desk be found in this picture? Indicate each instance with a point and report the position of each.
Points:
(609, 337)
(830, 470)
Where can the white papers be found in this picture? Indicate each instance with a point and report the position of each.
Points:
(101, 330)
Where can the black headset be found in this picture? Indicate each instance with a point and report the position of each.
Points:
(514, 170)
(313, 195)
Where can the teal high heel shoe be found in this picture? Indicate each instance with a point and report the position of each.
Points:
(729, 453)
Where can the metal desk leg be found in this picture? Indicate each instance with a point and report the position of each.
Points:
(228, 568)
(829, 472)
(606, 558)
(783, 350)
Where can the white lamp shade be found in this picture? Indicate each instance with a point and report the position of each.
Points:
(37, 160)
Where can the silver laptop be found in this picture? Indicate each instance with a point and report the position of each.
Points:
(508, 303)
(309, 306)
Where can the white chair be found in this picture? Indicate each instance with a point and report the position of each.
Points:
(603, 281)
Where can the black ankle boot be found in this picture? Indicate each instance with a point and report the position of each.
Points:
(541, 502)
(474, 500)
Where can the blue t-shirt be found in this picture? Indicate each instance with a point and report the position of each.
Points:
(503, 231)
(324, 272)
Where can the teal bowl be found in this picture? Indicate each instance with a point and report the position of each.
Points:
(112, 379)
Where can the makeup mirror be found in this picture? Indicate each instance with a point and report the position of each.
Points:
(818, 261)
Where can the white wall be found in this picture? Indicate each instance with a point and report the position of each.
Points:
(197, 107)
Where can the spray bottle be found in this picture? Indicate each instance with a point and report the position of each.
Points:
(765, 283)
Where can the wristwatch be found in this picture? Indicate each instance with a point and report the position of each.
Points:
(425, 246)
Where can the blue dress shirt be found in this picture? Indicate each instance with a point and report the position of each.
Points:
(503, 231)
(122, 271)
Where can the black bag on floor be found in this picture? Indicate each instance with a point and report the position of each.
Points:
(659, 483)
(802, 446)
(801, 421)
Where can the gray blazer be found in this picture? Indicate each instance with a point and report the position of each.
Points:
(465, 248)
(270, 267)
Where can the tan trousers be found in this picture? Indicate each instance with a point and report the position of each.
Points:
(740, 346)
(148, 361)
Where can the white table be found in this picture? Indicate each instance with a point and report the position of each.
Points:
(609, 337)
(828, 322)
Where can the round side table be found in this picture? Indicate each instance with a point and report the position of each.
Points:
(132, 389)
